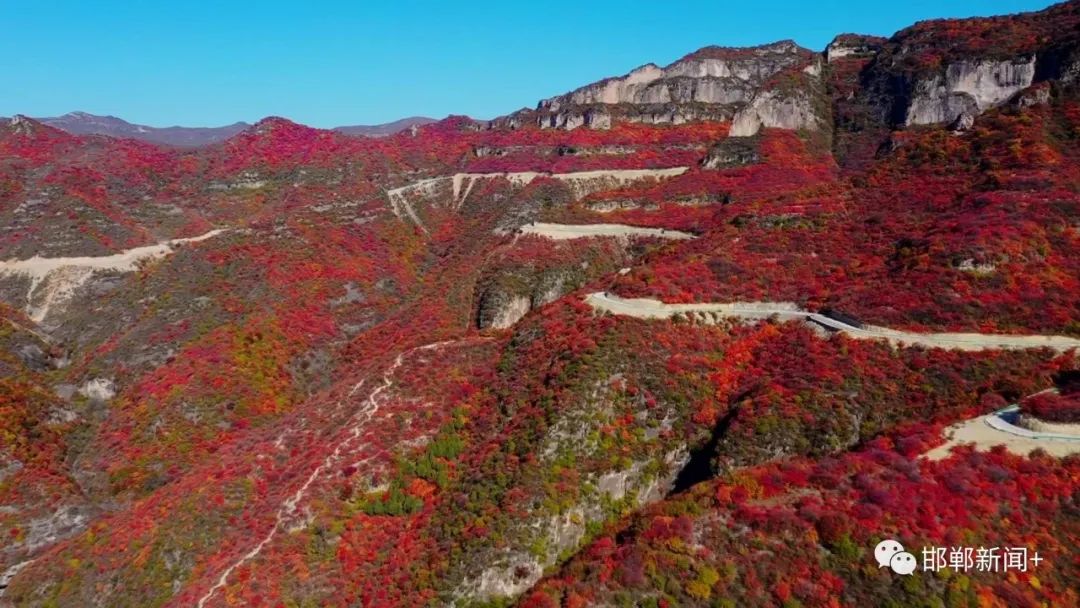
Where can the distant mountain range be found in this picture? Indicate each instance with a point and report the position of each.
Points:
(385, 129)
(83, 123)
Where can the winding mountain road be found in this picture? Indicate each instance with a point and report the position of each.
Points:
(993, 429)
(646, 308)
(60, 277)
(564, 232)
(581, 184)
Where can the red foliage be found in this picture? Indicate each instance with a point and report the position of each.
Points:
(818, 522)
(1052, 407)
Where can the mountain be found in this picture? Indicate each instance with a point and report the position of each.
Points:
(711, 83)
(387, 128)
(706, 334)
(81, 123)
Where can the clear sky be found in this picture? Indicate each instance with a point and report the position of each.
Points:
(334, 62)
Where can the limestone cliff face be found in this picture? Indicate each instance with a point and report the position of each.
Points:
(773, 109)
(968, 87)
(542, 537)
(508, 294)
(853, 46)
(499, 309)
(794, 100)
(731, 152)
(939, 73)
(712, 83)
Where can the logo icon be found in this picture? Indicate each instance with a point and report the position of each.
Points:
(903, 563)
(885, 550)
(891, 553)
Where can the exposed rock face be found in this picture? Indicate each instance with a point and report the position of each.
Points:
(852, 45)
(594, 118)
(697, 77)
(608, 206)
(514, 293)
(731, 153)
(514, 572)
(544, 537)
(795, 101)
(21, 125)
(1036, 95)
(98, 389)
(711, 83)
(968, 87)
(922, 77)
(963, 122)
(773, 109)
(501, 310)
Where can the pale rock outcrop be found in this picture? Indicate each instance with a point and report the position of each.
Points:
(609, 206)
(852, 45)
(963, 122)
(590, 117)
(975, 267)
(21, 125)
(62, 523)
(98, 389)
(731, 153)
(834, 52)
(969, 87)
(515, 571)
(709, 84)
(509, 311)
(503, 304)
(9, 468)
(776, 110)
(1037, 95)
(543, 536)
(689, 80)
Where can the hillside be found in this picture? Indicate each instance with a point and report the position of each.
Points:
(681, 337)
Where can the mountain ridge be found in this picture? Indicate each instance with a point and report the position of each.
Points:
(83, 123)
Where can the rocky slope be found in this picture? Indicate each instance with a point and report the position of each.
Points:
(921, 76)
(710, 84)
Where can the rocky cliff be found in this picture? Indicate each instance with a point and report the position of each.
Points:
(712, 83)
(917, 77)
(922, 77)
(793, 101)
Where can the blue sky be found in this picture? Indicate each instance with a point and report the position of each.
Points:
(332, 63)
